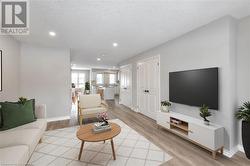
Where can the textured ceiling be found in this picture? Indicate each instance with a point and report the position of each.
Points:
(89, 28)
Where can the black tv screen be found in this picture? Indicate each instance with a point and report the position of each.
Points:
(194, 87)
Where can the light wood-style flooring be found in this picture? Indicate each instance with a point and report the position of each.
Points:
(183, 152)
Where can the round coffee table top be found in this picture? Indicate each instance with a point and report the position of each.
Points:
(85, 133)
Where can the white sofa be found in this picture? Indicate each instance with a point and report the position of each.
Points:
(18, 144)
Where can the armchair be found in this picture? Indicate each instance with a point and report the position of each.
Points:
(90, 106)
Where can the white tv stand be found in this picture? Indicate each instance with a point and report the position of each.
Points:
(209, 137)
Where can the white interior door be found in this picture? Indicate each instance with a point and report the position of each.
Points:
(142, 94)
(126, 86)
(148, 87)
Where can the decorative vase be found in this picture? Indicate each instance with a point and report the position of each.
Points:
(164, 108)
(206, 122)
(246, 137)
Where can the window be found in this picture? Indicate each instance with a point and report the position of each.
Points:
(99, 78)
(78, 79)
(74, 78)
(81, 80)
(112, 79)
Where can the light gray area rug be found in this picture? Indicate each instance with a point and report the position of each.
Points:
(61, 147)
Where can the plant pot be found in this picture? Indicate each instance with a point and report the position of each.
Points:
(246, 137)
(206, 122)
(87, 91)
(164, 108)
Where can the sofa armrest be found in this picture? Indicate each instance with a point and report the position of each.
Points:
(40, 111)
(103, 102)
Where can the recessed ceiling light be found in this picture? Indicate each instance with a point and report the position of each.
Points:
(98, 59)
(51, 33)
(103, 55)
(115, 44)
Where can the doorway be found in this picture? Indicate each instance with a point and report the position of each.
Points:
(148, 86)
(126, 86)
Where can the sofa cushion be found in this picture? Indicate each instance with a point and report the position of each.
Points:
(14, 114)
(29, 137)
(89, 101)
(14, 155)
(96, 110)
(38, 124)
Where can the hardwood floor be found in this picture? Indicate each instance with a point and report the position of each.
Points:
(183, 152)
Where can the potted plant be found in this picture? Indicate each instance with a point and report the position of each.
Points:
(87, 87)
(22, 100)
(165, 105)
(204, 113)
(244, 114)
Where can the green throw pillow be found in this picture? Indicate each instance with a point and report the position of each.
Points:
(14, 114)
(1, 120)
(33, 102)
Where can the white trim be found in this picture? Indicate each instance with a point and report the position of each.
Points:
(128, 65)
(61, 118)
(240, 148)
(234, 150)
(230, 153)
(134, 109)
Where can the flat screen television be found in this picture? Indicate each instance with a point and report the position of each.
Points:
(194, 87)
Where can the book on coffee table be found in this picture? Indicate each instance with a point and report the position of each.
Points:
(99, 128)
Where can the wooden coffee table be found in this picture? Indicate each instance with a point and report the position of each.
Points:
(85, 134)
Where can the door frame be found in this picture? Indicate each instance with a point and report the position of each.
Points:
(131, 84)
(158, 57)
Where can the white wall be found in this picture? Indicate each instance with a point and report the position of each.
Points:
(243, 64)
(45, 76)
(10, 56)
(212, 45)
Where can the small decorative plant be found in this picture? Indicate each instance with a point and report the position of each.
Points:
(204, 113)
(87, 87)
(22, 100)
(164, 105)
(103, 117)
(244, 114)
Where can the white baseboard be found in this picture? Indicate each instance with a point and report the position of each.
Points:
(234, 150)
(230, 153)
(134, 109)
(240, 148)
(58, 118)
